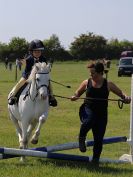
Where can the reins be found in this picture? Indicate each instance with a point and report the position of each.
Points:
(67, 86)
(120, 101)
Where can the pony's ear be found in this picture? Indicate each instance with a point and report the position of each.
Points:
(37, 66)
(43, 65)
(49, 66)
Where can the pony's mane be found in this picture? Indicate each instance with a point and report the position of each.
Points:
(37, 67)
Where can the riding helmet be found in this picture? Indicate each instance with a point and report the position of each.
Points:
(36, 45)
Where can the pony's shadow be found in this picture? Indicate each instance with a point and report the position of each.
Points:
(105, 168)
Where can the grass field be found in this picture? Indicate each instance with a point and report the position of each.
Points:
(63, 125)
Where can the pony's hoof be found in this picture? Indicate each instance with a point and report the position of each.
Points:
(33, 141)
(23, 159)
(21, 147)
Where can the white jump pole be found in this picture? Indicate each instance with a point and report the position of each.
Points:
(45, 152)
(59, 147)
(42, 154)
(129, 157)
(23, 152)
(32, 153)
(75, 145)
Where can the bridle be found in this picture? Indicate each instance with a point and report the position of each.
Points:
(37, 87)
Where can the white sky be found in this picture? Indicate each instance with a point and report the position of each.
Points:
(39, 19)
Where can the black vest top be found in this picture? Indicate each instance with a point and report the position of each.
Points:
(102, 93)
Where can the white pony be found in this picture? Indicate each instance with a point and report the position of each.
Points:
(34, 108)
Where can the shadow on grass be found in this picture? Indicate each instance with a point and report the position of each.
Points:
(104, 168)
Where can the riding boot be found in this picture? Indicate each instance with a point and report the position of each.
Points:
(52, 100)
(12, 95)
(12, 100)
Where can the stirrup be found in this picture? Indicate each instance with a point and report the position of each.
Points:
(52, 101)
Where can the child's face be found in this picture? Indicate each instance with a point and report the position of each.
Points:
(36, 53)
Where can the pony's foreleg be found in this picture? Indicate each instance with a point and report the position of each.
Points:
(42, 119)
(18, 128)
(24, 135)
(31, 128)
(24, 142)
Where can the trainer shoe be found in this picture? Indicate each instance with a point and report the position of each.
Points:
(82, 146)
(95, 161)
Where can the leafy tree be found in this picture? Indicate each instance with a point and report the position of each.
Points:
(52, 45)
(4, 51)
(18, 47)
(126, 45)
(88, 46)
(55, 50)
(113, 48)
(85, 46)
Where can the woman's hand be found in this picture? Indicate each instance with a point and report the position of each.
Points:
(126, 99)
(74, 98)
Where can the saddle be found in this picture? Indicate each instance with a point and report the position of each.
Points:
(20, 91)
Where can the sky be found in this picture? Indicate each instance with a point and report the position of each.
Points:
(39, 19)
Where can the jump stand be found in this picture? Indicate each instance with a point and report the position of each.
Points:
(129, 157)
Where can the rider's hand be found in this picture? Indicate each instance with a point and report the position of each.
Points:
(23, 61)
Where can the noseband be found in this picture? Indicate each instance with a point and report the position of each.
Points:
(43, 85)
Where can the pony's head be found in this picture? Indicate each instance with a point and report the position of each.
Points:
(40, 78)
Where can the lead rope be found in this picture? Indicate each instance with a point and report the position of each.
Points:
(120, 101)
(120, 104)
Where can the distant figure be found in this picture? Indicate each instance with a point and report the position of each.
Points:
(18, 64)
(106, 63)
(6, 62)
(10, 66)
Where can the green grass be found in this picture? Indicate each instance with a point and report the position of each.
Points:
(63, 125)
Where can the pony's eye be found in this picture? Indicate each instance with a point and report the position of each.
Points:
(37, 79)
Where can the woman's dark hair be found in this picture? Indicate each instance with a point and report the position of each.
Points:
(98, 66)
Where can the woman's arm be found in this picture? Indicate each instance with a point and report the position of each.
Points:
(80, 90)
(116, 90)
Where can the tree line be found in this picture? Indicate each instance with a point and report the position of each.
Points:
(84, 47)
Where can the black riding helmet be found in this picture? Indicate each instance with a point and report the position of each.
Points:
(36, 45)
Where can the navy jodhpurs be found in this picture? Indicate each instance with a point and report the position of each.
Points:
(97, 123)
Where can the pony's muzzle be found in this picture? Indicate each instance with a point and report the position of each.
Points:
(43, 97)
